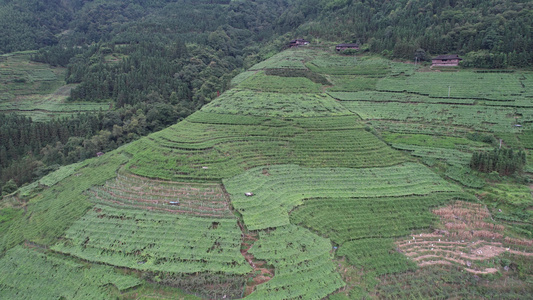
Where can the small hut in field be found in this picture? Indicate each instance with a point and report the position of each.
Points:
(446, 61)
(298, 42)
(342, 47)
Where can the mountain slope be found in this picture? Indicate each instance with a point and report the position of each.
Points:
(280, 188)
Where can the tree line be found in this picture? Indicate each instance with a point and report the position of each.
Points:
(489, 34)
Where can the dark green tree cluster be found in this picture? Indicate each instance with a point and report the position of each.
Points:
(503, 161)
(31, 24)
(490, 34)
(29, 150)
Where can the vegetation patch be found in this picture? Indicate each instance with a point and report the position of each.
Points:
(314, 77)
(302, 261)
(465, 176)
(127, 191)
(155, 241)
(29, 274)
(201, 151)
(287, 186)
(246, 102)
(262, 82)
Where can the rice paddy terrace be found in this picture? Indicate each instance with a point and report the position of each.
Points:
(317, 175)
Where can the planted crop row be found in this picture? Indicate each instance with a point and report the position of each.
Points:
(430, 283)
(278, 189)
(472, 116)
(221, 118)
(28, 274)
(405, 127)
(155, 241)
(57, 208)
(349, 65)
(435, 141)
(292, 58)
(136, 192)
(451, 156)
(246, 102)
(202, 151)
(375, 256)
(352, 83)
(302, 262)
(264, 83)
(465, 176)
(62, 173)
(394, 97)
(344, 219)
(464, 84)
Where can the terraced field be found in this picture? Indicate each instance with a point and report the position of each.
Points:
(37, 90)
(29, 274)
(278, 189)
(316, 176)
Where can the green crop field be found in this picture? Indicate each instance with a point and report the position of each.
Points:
(278, 189)
(463, 84)
(203, 151)
(37, 90)
(247, 102)
(260, 82)
(305, 180)
(302, 261)
(28, 274)
(156, 241)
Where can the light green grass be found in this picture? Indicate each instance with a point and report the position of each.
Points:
(302, 264)
(155, 241)
(246, 102)
(260, 82)
(27, 274)
(279, 189)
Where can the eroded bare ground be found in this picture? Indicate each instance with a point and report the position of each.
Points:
(261, 273)
(467, 239)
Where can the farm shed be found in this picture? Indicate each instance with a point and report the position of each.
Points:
(446, 60)
(341, 47)
(99, 154)
(298, 42)
(174, 202)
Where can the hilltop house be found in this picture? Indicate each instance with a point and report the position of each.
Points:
(341, 47)
(446, 61)
(298, 42)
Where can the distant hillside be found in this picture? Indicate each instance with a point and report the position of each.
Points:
(316, 175)
(492, 34)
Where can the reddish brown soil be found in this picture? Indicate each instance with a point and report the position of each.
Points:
(467, 238)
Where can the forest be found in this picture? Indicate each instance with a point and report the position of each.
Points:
(155, 62)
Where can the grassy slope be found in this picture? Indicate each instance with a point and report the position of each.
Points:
(310, 160)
